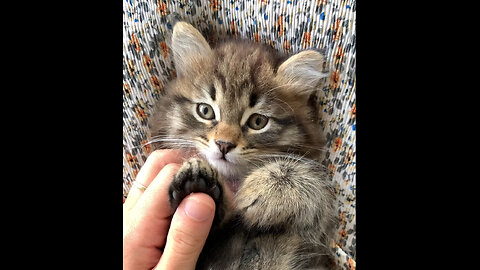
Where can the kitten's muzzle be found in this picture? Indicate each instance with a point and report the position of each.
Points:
(224, 146)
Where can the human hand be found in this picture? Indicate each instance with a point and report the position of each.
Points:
(152, 238)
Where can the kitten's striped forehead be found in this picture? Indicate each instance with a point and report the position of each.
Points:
(240, 77)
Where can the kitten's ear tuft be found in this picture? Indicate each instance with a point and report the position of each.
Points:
(188, 46)
(302, 71)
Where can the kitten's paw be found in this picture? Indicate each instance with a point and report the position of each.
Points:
(195, 175)
(284, 193)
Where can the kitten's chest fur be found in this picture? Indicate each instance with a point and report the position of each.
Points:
(236, 246)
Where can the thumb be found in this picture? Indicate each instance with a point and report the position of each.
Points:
(188, 232)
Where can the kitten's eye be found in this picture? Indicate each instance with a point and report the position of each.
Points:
(205, 111)
(257, 121)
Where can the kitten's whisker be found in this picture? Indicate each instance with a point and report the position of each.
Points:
(309, 146)
(201, 142)
(247, 152)
(172, 143)
(180, 145)
(285, 104)
(137, 146)
(270, 90)
(301, 146)
(253, 163)
(168, 146)
(168, 143)
(167, 140)
(161, 136)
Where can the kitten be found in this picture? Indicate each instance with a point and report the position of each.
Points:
(248, 115)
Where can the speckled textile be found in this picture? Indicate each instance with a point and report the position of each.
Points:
(288, 26)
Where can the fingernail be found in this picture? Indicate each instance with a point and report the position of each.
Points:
(197, 210)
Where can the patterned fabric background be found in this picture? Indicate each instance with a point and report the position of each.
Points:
(288, 26)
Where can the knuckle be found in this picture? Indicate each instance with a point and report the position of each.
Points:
(163, 157)
(171, 168)
(185, 242)
(158, 155)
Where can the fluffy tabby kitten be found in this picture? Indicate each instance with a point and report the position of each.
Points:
(249, 117)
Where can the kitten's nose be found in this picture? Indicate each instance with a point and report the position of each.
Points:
(224, 146)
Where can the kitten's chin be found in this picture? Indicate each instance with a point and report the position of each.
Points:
(232, 172)
(226, 168)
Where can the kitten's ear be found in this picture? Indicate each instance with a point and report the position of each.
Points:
(189, 47)
(302, 71)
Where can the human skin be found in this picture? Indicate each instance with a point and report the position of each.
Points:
(154, 235)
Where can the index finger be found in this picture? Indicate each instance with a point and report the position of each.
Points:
(147, 226)
(154, 164)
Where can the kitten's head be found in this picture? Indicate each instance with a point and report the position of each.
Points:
(236, 104)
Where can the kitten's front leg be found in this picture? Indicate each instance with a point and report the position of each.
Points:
(286, 193)
(196, 175)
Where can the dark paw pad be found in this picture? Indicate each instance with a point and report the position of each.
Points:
(195, 175)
